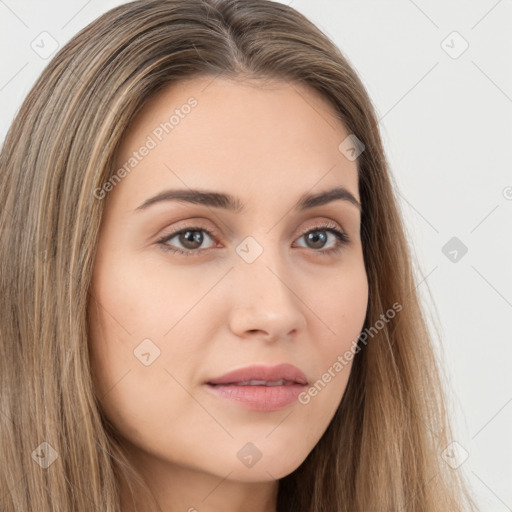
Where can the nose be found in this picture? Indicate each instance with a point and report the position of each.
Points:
(264, 302)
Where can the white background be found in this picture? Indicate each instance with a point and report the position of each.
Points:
(446, 124)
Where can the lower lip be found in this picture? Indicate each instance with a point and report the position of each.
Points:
(259, 398)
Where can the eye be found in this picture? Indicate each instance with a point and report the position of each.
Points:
(191, 238)
(318, 236)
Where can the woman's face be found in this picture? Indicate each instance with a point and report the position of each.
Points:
(267, 284)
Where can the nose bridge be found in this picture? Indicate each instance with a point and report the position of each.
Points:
(262, 266)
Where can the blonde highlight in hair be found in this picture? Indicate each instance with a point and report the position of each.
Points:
(381, 450)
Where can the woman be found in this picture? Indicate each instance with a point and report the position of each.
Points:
(208, 297)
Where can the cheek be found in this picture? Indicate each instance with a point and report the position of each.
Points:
(341, 306)
(140, 299)
(143, 329)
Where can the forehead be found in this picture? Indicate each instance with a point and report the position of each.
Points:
(215, 133)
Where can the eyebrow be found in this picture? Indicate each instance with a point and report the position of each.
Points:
(229, 202)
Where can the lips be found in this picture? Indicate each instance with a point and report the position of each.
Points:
(259, 387)
(260, 375)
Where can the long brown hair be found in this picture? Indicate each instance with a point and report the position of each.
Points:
(382, 450)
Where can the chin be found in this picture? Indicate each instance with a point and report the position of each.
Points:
(270, 467)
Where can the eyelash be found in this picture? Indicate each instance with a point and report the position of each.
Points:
(342, 240)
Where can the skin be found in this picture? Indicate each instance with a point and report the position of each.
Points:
(213, 312)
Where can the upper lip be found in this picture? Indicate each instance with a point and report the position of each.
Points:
(262, 372)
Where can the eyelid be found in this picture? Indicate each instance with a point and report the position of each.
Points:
(191, 225)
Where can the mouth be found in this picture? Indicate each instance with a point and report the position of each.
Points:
(260, 388)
